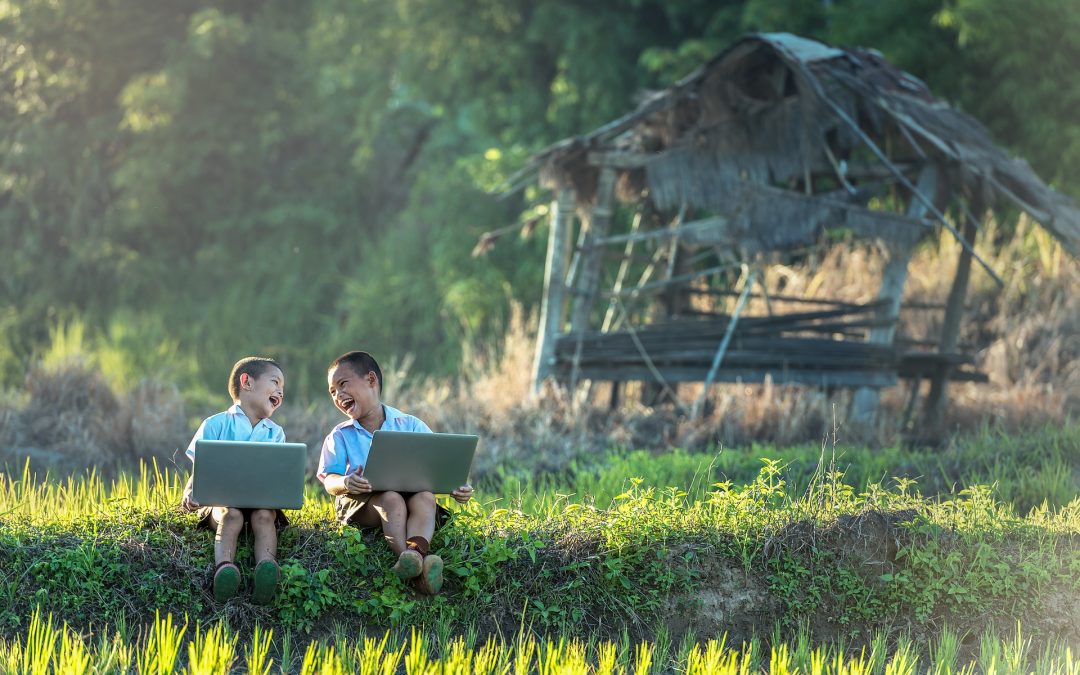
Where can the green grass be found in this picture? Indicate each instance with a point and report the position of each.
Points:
(1041, 466)
(614, 560)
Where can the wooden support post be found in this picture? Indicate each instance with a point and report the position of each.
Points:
(864, 404)
(699, 404)
(909, 408)
(588, 280)
(551, 305)
(934, 411)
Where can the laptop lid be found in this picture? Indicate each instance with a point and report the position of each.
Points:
(242, 474)
(408, 461)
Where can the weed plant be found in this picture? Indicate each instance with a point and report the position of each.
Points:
(851, 560)
(1024, 470)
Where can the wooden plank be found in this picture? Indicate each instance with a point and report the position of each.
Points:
(621, 160)
(664, 233)
(742, 358)
(773, 297)
(852, 378)
(551, 304)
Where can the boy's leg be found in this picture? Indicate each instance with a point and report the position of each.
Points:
(388, 510)
(421, 522)
(420, 528)
(264, 527)
(227, 524)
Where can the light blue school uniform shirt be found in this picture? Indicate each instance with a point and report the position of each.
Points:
(345, 449)
(233, 425)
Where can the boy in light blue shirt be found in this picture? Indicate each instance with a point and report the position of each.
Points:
(257, 387)
(407, 519)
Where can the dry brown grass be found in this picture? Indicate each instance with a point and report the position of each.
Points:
(70, 418)
(1026, 337)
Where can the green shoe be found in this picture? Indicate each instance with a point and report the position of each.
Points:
(408, 565)
(431, 578)
(266, 578)
(226, 581)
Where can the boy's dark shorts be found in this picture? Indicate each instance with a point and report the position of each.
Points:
(347, 507)
(206, 522)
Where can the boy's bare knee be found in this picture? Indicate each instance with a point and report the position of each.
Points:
(262, 518)
(231, 518)
(422, 500)
(389, 505)
(392, 501)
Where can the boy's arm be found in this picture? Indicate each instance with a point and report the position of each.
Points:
(336, 484)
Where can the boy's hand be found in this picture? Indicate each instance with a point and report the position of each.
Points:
(462, 494)
(189, 503)
(356, 484)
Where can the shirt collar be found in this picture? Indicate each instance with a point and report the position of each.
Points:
(389, 413)
(237, 410)
(392, 413)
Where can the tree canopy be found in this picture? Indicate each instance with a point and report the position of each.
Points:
(194, 182)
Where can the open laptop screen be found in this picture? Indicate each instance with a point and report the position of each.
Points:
(249, 475)
(407, 461)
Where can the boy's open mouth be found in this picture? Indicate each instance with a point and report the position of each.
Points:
(347, 405)
(275, 401)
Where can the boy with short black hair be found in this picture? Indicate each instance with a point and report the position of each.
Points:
(407, 520)
(257, 388)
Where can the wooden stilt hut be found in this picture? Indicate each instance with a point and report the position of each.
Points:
(768, 147)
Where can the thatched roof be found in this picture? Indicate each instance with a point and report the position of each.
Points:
(750, 134)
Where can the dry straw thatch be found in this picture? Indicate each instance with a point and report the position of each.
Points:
(775, 111)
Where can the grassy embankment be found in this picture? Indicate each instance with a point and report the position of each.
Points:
(795, 549)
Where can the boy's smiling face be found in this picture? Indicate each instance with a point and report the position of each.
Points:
(260, 396)
(355, 395)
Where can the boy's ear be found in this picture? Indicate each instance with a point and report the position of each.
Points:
(245, 380)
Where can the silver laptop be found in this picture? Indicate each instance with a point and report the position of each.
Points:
(407, 461)
(249, 475)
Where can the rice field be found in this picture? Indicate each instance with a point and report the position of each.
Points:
(171, 646)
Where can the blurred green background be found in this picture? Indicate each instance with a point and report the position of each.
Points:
(182, 184)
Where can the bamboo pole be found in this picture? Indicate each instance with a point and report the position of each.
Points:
(695, 412)
(551, 304)
(624, 267)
